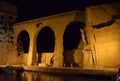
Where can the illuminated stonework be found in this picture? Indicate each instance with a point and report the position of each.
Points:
(103, 29)
(53, 38)
(85, 39)
(95, 44)
(8, 14)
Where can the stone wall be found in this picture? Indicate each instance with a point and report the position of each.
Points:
(8, 14)
(103, 30)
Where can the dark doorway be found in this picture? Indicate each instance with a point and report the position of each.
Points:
(23, 42)
(71, 40)
(45, 41)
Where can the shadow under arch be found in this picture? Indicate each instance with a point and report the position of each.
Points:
(71, 40)
(45, 42)
(23, 42)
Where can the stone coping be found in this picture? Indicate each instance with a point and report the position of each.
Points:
(73, 70)
(69, 70)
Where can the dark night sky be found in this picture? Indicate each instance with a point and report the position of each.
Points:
(30, 9)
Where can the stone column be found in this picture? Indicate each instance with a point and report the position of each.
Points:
(58, 58)
(32, 54)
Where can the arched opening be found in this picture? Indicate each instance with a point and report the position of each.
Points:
(71, 40)
(23, 42)
(45, 42)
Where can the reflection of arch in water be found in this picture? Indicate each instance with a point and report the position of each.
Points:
(71, 40)
(45, 41)
(23, 42)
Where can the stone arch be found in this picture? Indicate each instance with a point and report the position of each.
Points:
(45, 42)
(23, 41)
(71, 40)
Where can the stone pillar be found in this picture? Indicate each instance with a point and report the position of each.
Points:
(58, 58)
(32, 54)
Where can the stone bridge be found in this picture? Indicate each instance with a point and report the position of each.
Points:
(52, 39)
(84, 38)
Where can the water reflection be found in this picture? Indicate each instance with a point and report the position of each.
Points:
(32, 76)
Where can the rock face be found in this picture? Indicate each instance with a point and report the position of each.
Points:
(8, 14)
(85, 38)
(103, 26)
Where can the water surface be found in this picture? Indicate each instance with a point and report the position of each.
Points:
(37, 76)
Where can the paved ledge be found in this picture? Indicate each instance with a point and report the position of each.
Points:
(68, 70)
(71, 70)
(14, 67)
(11, 65)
